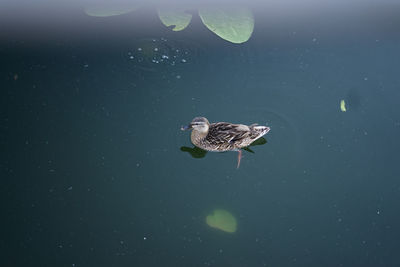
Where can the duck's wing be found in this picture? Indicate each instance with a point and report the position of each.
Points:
(223, 132)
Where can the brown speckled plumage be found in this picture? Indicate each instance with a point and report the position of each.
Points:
(223, 136)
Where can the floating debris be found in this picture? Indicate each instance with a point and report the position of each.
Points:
(342, 105)
(154, 54)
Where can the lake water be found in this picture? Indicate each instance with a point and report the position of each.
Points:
(96, 171)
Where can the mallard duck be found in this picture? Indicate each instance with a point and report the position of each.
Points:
(224, 136)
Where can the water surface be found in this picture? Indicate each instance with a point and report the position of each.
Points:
(93, 171)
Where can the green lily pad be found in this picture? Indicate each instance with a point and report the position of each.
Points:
(177, 18)
(109, 10)
(234, 24)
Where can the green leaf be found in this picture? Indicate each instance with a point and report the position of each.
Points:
(177, 18)
(234, 24)
(109, 10)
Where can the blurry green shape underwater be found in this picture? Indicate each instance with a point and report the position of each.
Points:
(177, 18)
(234, 24)
(222, 220)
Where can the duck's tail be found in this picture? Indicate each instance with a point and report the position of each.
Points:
(259, 130)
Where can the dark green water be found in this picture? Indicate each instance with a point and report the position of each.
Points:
(92, 167)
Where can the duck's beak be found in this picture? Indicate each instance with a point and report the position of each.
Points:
(187, 127)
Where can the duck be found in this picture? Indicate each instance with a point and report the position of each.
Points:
(224, 136)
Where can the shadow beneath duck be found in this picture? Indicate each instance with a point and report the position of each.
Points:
(195, 152)
(198, 153)
(259, 142)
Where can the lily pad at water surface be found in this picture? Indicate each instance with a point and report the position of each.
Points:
(177, 18)
(234, 24)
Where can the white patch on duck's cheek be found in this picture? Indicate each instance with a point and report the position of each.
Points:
(202, 128)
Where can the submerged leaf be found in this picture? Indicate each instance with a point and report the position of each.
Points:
(234, 24)
(177, 18)
(222, 220)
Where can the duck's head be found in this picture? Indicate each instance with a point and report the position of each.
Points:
(199, 124)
